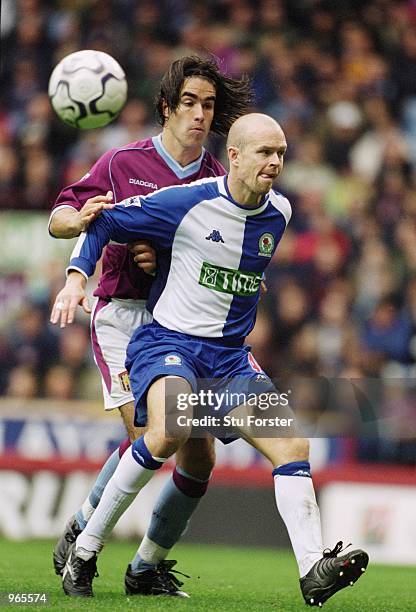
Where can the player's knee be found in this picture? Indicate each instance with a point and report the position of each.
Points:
(127, 414)
(164, 443)
(178, 438)
(134, 433)
(161, 445)
(197, 457)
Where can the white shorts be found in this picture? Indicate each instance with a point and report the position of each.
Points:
(112, 326)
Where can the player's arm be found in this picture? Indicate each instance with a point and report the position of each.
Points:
(81, 202)
(126, 223)
(68, 222)
(69, 297)
(82, 265)
(122, 225)
(83, 261)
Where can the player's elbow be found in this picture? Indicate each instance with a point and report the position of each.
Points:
(65, 224)
(56, 229)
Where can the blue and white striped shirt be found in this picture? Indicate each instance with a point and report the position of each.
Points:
(212, 253)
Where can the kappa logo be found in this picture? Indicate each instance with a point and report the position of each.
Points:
(139, 456)
(302, 473)
(173, 360)
(266, 245)
(215, 236)
(134, 181)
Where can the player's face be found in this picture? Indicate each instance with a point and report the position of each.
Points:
(261, 161)
(191, 122)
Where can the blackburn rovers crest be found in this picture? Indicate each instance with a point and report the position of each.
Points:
(266, 245)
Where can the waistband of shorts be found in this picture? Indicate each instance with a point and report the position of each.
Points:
(227, 341)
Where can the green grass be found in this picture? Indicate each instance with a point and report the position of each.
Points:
(243, 579)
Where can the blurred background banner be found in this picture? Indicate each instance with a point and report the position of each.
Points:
(341, 303)
(28, 258)
(50, 453)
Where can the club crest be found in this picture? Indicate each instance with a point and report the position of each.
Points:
(266, 245)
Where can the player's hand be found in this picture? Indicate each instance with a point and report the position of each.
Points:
(263, 288)
(144, 256)
(92, 208)
(67, 300)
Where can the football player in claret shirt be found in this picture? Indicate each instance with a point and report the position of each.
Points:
(215, 238)
(195, 98)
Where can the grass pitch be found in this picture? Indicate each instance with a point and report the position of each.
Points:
(222, 578)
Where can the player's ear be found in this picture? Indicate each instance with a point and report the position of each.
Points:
(233, 155)
(165, 110)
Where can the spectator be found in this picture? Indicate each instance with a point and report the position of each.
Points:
(388, 331)
(59, 383)
(23, 383)
(340, 77)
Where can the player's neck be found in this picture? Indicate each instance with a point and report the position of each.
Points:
(183, 155)
(241, 194)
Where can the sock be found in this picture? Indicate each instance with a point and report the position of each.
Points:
(177, 502)
(135, 469)
(85, 512)
(296, 502)
(123, 447)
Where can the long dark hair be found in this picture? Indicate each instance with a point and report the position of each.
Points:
(233, 97)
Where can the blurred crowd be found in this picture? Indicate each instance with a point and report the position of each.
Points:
(340, 77)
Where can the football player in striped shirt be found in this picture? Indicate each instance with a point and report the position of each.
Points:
(196, 98)
(215, 238)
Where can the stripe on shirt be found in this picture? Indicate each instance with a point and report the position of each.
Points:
(242, 314)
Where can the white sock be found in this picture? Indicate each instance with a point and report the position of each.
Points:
(296, 502)
(119, 493)
(151, 552)
(87, 510)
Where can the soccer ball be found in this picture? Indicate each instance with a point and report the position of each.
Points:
(87, 89)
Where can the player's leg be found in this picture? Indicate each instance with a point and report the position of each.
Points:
(176, 503)
(322, 573)
(135, 469)
(295, 495)
(289, 456)
(127, 414)
(111, 327)
(94, 496)
(109, 340)
(111, 332)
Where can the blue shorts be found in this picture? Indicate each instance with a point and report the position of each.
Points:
(155, 352)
